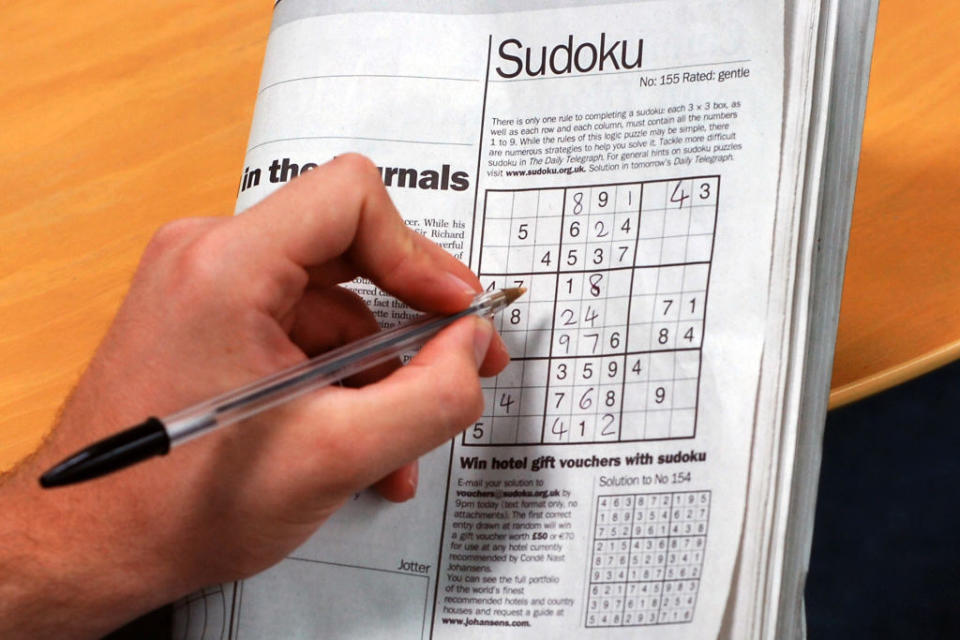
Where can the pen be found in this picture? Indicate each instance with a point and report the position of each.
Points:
(156, 436)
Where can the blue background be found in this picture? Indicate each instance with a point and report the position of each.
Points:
(886, 544)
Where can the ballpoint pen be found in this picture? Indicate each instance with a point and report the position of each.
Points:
(156, 436)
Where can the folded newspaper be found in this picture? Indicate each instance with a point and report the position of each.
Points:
(672, 183)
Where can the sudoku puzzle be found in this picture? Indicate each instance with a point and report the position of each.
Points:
(606, 343)
(647, 558)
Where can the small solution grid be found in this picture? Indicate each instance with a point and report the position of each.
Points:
(647, 558)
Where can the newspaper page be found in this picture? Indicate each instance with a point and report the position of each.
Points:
(620, 161)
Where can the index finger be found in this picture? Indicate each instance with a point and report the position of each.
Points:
(341, 211)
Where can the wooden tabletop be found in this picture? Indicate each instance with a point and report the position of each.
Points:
(118, 117)
(900, 315)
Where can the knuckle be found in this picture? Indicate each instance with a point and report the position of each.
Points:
(276, 289)
(357, 164)
(172, 233)
(200, 260)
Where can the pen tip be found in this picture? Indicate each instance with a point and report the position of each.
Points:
(514, 293)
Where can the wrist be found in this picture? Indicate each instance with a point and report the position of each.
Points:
(62, 573)
(76, 562)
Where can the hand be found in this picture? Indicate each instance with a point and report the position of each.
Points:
(216, 303)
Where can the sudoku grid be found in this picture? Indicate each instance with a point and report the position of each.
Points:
(647, 558)
(606, 342)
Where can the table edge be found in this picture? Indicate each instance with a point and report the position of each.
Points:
(892, 376)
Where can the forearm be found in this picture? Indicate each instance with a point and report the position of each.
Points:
(72, 562)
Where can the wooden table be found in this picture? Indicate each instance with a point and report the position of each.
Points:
(118, 117)
(900, 315)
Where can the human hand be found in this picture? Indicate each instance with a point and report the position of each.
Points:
(217, 303)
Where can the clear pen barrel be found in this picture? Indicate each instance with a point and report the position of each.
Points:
(329, 368)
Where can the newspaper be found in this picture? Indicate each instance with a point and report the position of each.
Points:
(621, 161)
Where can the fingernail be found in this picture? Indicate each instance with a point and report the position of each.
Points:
(499, 345)
(461, 285)
(482, 337)
(413, 476)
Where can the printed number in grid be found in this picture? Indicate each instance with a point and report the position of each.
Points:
(606, 342)
(647, 558)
